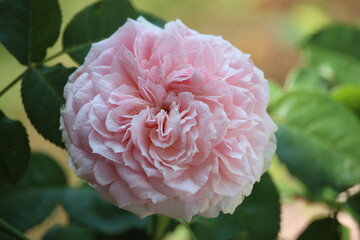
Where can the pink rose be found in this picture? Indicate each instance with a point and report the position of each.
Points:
(168, 121)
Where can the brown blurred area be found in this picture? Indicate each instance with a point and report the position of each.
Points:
(269, 30)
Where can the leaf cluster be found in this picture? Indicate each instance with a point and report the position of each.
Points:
(317, 112)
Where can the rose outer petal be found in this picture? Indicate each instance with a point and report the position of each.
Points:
(168, 121)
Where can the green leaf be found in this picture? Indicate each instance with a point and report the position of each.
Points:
(354, 206)
(132, 234)
(310, 77)
(161, 225)
(258, 217)
(38, 193)
(275, 90)
(14, 151)
(345, 233)
(27, 208)
(42, 95)
(349, 95)
(43, 172)
(318, 140)
(5, 236)
(153, 19)
(94, 23)
(69, 233)
(326, 228)
(336, 47)
(29, 27)
(241, 236)
(85, 206)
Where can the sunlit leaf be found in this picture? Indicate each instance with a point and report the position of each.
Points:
(337, 48)
(318, 140)
(310, 77)
(275, 91)
(349, 95)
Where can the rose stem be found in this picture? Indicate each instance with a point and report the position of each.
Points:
(10, 229)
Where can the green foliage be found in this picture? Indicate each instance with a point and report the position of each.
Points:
(319, 124)
(14, 151)
(29, 27)
(354, 206)
(310, 77)
(132, 234)
(69, 233)
(326, 228)
(349, 95)
(6, 236)
(160, 225)
(41, 92)
(43, 172)
(336, 48)
(93, 24)
(85, 206)
(275, 91)
(37, 195)
(318, 140)
(258, 217)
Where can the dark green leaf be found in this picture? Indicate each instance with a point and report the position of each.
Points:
(29, 27)
(14, 151)
(354, 206)
(42, 95)
(153, 19)
(69, 233)
(349, 95)
(132, 234)
(240, 236)
(336, 48)
(318, 140)
(94, 23)
(27, 208)
(43, 172)
(6, 236)
(38, 193)
(258, 217)
(326, 228)
(85, 206)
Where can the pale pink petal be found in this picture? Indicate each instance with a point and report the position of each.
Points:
(168, 121)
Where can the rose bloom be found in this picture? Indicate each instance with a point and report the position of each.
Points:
(168, 121)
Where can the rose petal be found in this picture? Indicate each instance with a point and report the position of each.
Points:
(168, 120)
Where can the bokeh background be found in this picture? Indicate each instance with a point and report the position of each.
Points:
(270, 30)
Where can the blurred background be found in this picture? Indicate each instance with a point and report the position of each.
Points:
(269, 30)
